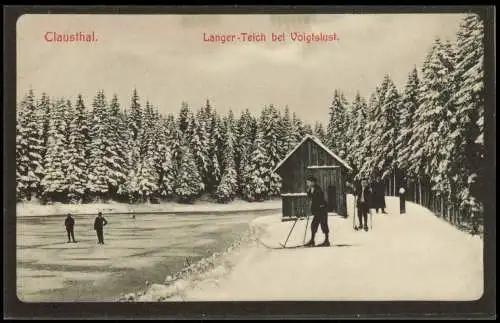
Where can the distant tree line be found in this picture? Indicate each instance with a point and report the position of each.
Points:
(68, 152)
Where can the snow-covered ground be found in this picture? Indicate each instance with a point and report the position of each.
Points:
(36, 209)
(415, 256)
(146, 248)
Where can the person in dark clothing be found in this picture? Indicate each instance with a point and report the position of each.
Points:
(402, 200)
(318, 210)
(69, 223)
(99, 224)
(363, 202)
(379, 196)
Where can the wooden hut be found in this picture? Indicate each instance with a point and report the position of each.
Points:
(312, 157)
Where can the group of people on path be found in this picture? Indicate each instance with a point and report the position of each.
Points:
(367, 197)
(99, 224)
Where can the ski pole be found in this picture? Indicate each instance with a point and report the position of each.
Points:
(354, 213)
(294, 223)
(305, 232)
(371, 220)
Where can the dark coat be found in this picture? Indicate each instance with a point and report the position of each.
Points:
(99, 223)
(368, 196)
(378, 195)
(318, 202)
(69, 222)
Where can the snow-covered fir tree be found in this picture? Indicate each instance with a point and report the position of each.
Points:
(184, 116)
(216, 140)
(30, 148)
(308, 129)
(356, 132)
(287, 138)
(133, 161)
(227, 188)
(387, 131)
(147, 184)
(188, 183)
(199, 144)
(367, 149)
(98, 170)
(256, 172)
(135, 116)
(22, 158)
(269, 126)
(78, 146)
(409, 104)
(430, 134)
(115, 155)
(165, 166)
(298, 128)
(229, 138)
(319, 131)
(43, 113)
(468, 144)
(55, 182)
(247, 127)
(336, 131)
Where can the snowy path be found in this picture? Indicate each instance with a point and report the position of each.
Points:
(406, 257)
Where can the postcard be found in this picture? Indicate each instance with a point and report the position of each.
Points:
(250, 157)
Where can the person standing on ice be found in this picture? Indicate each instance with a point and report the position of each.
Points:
(318, 210)
(69, 223)
(363, 201)
(99, 224)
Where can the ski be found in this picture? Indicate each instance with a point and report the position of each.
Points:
(293, 247)
(282, 246)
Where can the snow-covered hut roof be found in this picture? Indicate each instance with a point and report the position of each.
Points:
(317, 141)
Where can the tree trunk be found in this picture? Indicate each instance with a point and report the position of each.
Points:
(443, 213)
(395, 184)
(419, 192)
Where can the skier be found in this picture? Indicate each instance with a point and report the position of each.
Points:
(99, 224)
(318, 210)
(70, 224)
(363, 201)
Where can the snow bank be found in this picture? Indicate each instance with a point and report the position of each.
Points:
(36, 209)
(208, 270)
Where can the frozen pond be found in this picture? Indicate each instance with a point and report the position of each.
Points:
(146, 248)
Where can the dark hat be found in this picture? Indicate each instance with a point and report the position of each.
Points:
(311, 178)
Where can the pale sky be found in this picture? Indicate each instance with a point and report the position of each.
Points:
(166, 59)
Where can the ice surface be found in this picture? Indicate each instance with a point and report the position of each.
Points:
(147, 248)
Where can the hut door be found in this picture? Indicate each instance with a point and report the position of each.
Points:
(332, 198)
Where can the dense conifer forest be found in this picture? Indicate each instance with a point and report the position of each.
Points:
(428, 133)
